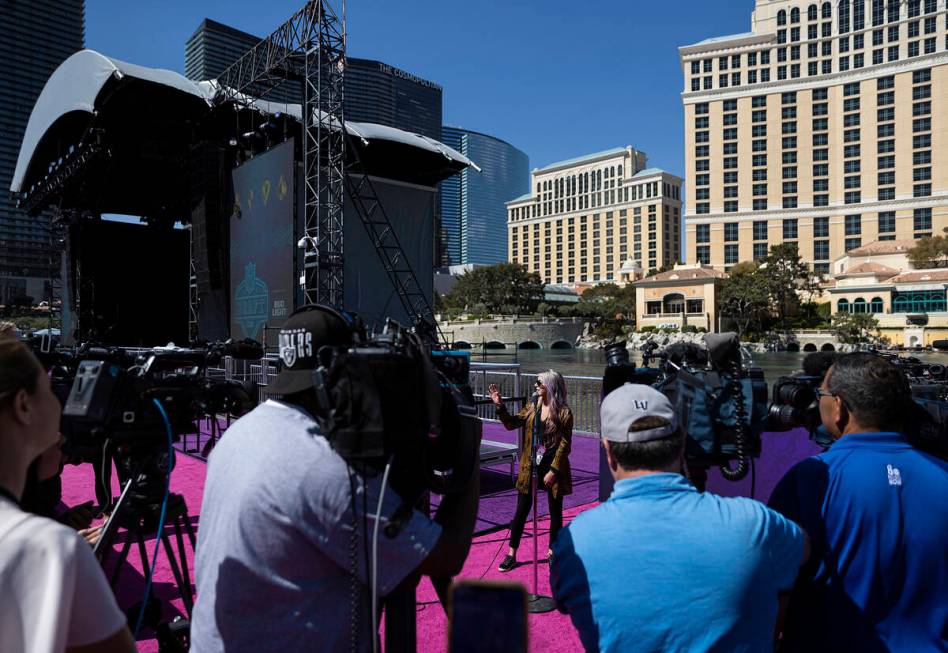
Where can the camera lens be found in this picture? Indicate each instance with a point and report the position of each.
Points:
(616, 354)
(794, 395)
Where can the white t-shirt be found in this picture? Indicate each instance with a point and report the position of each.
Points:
(274, 547)
(53, 593)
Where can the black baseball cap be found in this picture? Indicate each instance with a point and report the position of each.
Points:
(301, 336)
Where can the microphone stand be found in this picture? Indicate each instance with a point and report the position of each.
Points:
(536, 602)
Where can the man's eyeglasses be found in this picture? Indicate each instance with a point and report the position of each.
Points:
(820, 393)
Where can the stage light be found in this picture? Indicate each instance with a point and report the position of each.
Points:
(306, 240)
(233, 141)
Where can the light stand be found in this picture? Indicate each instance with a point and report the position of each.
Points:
(536, 602)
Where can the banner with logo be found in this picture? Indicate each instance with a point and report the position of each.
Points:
(261, 243)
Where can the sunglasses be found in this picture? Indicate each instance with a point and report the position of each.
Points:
(539, 384)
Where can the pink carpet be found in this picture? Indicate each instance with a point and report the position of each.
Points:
(548, 632)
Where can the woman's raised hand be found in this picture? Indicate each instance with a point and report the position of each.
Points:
(495, 395)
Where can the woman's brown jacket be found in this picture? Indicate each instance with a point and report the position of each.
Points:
(563, 439)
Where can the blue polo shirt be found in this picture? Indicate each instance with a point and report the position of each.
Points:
(876, 510)
(662, 567)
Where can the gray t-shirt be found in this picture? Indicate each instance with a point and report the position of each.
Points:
(274, 547)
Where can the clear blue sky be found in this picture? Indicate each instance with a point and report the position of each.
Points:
(556, 79)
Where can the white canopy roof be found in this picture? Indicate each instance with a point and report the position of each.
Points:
(75, 86)
(78, 82)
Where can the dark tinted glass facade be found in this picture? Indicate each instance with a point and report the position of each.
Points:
(37, 36)
(214, 47)
(383, 94)
(375, 91)
(473, 204)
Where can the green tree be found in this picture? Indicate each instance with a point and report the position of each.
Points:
(790, 280)
(664, 268)
(855, 328)
(745, 297)
(929, 253)
(501, 288)
(609, 305)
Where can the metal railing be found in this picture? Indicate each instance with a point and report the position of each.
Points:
(582, 391)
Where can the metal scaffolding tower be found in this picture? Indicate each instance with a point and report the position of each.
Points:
(310, 49)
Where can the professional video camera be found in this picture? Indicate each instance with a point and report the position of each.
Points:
(108, 392)
(721, 405)
(796, 402)
(394, 397)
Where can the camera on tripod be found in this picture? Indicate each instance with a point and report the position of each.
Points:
(796, 401)
(721, 404)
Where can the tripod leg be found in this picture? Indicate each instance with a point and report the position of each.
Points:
(186, 518)
(182, 554)
(185, 591)
(122, 559)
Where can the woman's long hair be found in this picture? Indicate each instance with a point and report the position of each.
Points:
(556, 390)
(19, 370)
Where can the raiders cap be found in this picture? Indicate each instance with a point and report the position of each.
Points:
(301, 337)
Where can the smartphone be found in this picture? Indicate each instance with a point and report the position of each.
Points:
(487, 617)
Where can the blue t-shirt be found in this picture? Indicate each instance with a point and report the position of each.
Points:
(876, 510)
(662, 567)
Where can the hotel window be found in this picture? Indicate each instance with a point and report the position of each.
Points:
(820, 250)
(827, 67)
(821, 227)
(852, 197)
(877, 57)
(707, 64)
(893, 34)
(730, 254)
(760, 251)
(922, 220)
(852, 243)
(760, 230)
(790, 229)
(730, 207)
(820, 170)
(886, 178)
(894, 53)
(853, 225)
(702, 233)
(885, 131)
(730, 232)
(887, 222)
(826, 10)
(703, 254)
(751, 58)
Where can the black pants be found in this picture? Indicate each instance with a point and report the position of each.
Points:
(525, 501)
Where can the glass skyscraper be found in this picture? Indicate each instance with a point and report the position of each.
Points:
(375, 91)
(38, 35)
(473, 204)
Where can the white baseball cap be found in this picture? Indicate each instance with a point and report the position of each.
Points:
(628, 404)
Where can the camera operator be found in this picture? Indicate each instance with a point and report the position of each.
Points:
(55, 596)
(285, 521)
(660, 566)
(877, 512)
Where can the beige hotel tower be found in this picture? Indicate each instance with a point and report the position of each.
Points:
(601, 217)
(826, 125)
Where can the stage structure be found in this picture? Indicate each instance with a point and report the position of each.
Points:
(310, 47)
(106, 136)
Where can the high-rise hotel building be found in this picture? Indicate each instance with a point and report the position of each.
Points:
(584, 217)
(826, 125)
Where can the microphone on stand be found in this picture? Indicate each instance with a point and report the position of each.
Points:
(536, 399)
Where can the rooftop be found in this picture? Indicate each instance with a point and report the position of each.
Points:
(870, 268)
(648, 172)
(921, 275)
(718, 39)
(883, 247)
(684, 273)
(583, 159)
(526, 196)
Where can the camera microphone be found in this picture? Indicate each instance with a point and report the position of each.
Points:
(536, 399)
(246, 349)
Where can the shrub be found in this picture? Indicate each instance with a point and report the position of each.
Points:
(689, 328)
